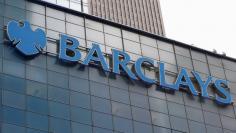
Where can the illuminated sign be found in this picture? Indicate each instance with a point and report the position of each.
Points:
(69, 52)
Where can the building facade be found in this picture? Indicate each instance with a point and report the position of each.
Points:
(42, 94)
(140, 14)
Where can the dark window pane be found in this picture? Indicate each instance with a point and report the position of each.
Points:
(196, 127)
(80, 100)
(101, 130)
(123, 125)
(179, 124)
(7, 83)
(37, 105)
(59, 126)
(194, 114)
(57, 79)
(78, 84)
(160, 119)
(36, 89)
(77, 128)
(141, 115)
(158, 105)
(161, 130)
(99, 90)
(13, 99)
(14, 68)
(59, 110)
(9, 128)
(36, 74)
(102, 120)
(37, 121)
(119, 95)
(81, 115)
(139, 100)
(14, 116)
(122, 110)
(58, 94)
(176, 109)
(142, 128)
(212, 119)
(101, 105)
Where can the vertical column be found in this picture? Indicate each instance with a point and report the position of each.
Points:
(142, 15)
(146, 15)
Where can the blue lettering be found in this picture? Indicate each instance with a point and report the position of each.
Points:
(227, 97)
(68, 49)
(162, 77)
(138, 69)
(100, 58)
(117, 63)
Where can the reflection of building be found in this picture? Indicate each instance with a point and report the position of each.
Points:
(140, 14)
(42, 95)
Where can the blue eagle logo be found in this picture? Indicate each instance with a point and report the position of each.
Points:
(27, 41)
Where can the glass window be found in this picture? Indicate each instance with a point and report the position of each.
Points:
(211, 129)
(160, 119)
(119, 95)
(184, 62)
(165, 46)
(79, 71)
(148, 41)
(113, 41)
(59, 110)
(54, 64)
(230, 75)
(139, 100)
(228, 123)
(167, 57)
(81, 115)
(13, 99)
(55, 24)
(182, 51)
(209, 105)
(179, 124)
(150, 52)
(158, 105)
(35, 8)
(192, 101)
(19, 3)
(76, 128)
(35, 18)
(100, 90)
(34, 131)
(36, 89)
(6, 82)
(58, 94)
(121, 110)
(79, 85)
(74, 19)
(101, 130)
(14, 116)
(102, 120)
(176, 109)
(101, 105)
(142, 128)
(64, 3)
(227, 111)
(229, 64)
(97, 75)
(194, 114)
(95, 36)
(123, 125)
(198, 56)
(138, 87)
(75, 6)
(217, 72)
(196, 127)
(161, 130)
(214, 60)
(93, 25)
(80, 100)
(119, 81)
(212, 119)
(9, 128)
(112, 30)
(37, 105)
(37, 121)
(176, 97)
(57, 79)
(38, 61)
(141, 115)
(75, 30)
(132, 47)
(200, 67)
(14, 13)
(14, 68)
(36, 74)
(52, 35)
(55, 13)
(130, 36)
(59, 125)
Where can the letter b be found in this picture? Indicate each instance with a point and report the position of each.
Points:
(68, 49)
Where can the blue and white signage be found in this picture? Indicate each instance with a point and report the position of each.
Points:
(31, 42)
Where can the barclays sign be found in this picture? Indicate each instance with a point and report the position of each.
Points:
(31, 42)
